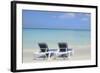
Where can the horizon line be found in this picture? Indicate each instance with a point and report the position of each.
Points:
(58, 29)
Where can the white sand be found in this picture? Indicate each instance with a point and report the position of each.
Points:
(83, 53)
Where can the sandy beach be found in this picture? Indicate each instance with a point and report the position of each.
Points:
(79, 54)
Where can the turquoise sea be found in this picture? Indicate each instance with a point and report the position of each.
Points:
(74, 37)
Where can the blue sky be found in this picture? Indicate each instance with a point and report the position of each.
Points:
(59, 20)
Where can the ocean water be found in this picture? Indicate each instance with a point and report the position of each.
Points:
(75, 37)
(79, 40)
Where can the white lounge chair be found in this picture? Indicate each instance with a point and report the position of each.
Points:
(42, 54)
(64, 52)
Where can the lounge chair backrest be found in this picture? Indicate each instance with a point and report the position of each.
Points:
(63, 47)
(43, 47)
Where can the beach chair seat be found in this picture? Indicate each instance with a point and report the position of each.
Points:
(42, 54)
(64, 51)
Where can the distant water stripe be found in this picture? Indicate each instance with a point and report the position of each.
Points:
(60, 29)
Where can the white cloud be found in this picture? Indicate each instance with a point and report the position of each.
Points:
(84, 19)
(65, 15)
(87, 14)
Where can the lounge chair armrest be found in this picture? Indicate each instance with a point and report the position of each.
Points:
(69, 49)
